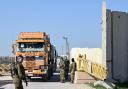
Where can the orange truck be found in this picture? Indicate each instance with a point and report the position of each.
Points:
(38, 53)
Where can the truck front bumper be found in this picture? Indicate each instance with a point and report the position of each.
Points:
(36, 73)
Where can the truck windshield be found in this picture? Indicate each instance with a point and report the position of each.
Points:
(28, 47)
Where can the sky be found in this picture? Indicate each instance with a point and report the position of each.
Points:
(79, 20)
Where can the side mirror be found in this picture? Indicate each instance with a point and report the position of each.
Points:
(48, 48)
(14, 48)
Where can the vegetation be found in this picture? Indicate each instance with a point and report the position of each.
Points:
(118, 86)
(97, 86)
(122, 85)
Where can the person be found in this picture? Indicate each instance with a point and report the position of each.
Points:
(72, 70)
(66, 68)
(62, 70)
(17, 72)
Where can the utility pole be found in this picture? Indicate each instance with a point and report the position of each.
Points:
(62, 49)
(67, 47)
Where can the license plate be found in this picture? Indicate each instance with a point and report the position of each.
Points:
(30, 74)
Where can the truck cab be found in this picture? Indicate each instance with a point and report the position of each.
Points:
(37, 51)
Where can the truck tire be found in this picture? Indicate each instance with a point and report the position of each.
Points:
(28, 78)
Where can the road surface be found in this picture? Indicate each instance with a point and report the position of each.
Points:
(6, 83)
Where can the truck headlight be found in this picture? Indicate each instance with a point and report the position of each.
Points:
(41, 67)
(45, 71)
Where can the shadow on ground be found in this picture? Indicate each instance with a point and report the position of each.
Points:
(5, 82)
(54, 78)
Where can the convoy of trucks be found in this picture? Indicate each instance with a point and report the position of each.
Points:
(39, 55)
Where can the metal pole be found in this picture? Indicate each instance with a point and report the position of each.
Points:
(67, 47)
(62, 50)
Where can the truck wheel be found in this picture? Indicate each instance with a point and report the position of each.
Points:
(49, 74)
(49, 77)
(45, 78)
(28, 78)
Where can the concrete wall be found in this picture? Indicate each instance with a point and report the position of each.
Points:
(120, 45)
(109, 44)
(92, 54)
(104, 34)
(115, 43)
(106, 40)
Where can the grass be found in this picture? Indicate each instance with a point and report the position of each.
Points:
(122, 85)
(118, 86)
(97, 86)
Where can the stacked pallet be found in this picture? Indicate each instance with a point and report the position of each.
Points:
(4, 69)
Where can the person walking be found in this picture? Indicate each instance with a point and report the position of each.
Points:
(17, 72)
(72, 70)
(62, 70)
(66, 68)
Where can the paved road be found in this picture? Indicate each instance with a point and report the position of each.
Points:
(6, 83)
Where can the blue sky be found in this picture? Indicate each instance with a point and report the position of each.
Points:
(79, 20)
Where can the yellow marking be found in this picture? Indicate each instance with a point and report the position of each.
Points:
(95, 69)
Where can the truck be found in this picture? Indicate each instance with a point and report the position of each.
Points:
(39, 55)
